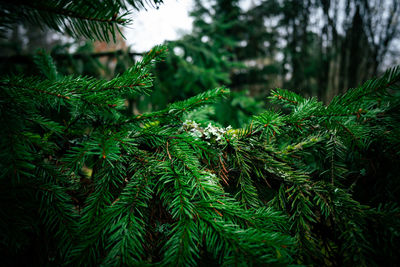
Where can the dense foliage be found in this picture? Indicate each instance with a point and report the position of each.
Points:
(85, 183)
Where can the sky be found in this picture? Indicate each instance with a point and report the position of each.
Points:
(148, 28)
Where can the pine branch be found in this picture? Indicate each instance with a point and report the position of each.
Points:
(91, 19)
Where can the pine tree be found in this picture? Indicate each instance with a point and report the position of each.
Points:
(206, 58)
(83, 183)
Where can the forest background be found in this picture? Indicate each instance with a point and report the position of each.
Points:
(316, 48)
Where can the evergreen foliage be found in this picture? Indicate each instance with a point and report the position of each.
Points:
(84, 183)
(94, 19)
(205, 59)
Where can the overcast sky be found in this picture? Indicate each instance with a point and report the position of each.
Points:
(154, 26)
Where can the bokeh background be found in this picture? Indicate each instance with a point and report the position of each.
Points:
(318, 48)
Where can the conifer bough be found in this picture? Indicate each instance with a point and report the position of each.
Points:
(84, 184)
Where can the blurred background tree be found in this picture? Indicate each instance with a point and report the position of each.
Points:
(206, 58)
(315, 47)
(330, 46)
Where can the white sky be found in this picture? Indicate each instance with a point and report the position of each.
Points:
(154, 26)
